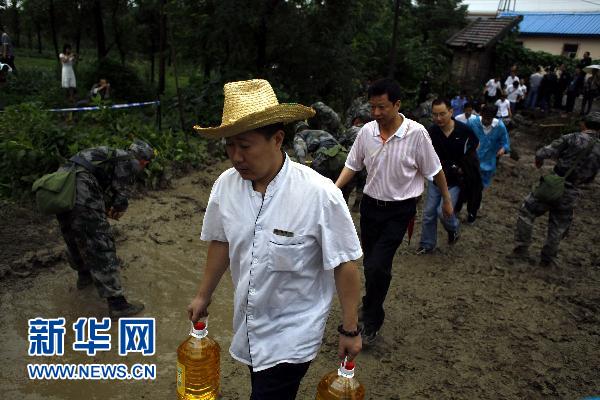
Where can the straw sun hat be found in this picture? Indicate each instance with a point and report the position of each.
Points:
(252, 104)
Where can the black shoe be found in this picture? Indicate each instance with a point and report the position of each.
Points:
(471, 218)
(84, 279)
(423, 250)
(519, 254)
(453, 237)
(120, 307)
(369, 336)
(548, 263)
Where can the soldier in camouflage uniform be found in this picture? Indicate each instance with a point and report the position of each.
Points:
(565, 150)
(359, 116)
(326, 119)
(359, 107)
(104, 179)
(321, 145)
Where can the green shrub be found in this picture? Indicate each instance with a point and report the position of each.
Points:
(124, 81)
(34, 142)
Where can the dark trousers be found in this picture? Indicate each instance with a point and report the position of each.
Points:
(280, 382)
(571, 96)
(586, 103)
(382, 228)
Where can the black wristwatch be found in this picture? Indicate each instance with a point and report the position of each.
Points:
(344, 332)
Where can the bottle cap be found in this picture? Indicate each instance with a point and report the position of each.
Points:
(346, 369)
(200, 325)
(199, 329)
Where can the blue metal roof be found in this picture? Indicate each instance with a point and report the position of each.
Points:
(558, 24)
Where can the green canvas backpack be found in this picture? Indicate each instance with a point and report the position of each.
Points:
(551, 187)
(55, 192)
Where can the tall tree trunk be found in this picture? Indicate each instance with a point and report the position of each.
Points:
(79, 14)
(261, 35)
(161, 48)
(17, 23)
(152, 63)
(99, 25)
(392, 69)
(53, 29)
(117, 32)
(38, 31)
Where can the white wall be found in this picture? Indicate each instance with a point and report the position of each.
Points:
(554, 45)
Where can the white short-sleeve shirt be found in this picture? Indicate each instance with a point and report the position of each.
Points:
(492, 87)
(282, 252)
(503, 108)
(396, 168)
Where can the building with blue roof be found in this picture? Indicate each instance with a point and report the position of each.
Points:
(561, 33)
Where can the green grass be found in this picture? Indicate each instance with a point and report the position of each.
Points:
(30, 59)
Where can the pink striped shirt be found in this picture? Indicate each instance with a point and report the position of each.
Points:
(397, 168)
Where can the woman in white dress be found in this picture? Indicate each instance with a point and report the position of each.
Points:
(67, 59)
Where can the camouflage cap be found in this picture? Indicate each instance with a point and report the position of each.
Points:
(141, 150)
(300, 126)
(593, 117)
(364, 113)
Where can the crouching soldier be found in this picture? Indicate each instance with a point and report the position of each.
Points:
(103, 180)
(327, 153)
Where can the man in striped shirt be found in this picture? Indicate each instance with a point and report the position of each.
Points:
(398, 156)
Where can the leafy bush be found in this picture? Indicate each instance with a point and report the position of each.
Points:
(34, 142)
(509, 52)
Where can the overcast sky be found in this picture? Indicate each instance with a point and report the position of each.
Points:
(536, 5)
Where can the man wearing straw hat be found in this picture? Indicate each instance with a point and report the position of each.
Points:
(286, 235)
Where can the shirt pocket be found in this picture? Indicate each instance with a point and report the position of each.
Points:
(286, 254)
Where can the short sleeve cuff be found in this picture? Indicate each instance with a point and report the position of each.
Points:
(430, 176)
(342, 258)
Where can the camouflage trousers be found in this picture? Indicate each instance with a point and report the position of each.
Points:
(91, 248)
(560, 217)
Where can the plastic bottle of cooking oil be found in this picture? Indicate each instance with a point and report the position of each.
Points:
(341, 385)
(198, 366)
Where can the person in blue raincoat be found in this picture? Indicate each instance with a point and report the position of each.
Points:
(493, 141)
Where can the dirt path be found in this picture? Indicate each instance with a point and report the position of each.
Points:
(461, 323)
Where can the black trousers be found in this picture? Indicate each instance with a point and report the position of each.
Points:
(382, 228)
(280, 382)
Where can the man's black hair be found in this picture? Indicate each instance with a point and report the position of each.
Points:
(468, 104)
(385, 86)
(490, 110)
(439, 101)
(270, 130)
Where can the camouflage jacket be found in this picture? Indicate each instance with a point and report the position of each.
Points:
(326, 119)
(309, 141)
(347, 140)
(93, 192)
(566, 149)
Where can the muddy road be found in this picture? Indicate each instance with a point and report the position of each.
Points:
(461, 323)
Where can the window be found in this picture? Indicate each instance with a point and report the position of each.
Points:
(570, 50)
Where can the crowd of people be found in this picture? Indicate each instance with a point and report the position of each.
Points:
(547, 88)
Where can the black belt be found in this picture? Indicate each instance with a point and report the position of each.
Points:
(382, 203)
